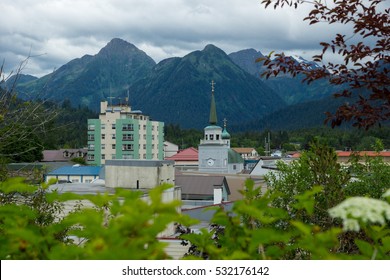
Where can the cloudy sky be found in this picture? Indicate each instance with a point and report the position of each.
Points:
(53, 32)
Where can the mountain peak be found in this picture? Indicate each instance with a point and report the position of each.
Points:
(118, 45)
(212, 48)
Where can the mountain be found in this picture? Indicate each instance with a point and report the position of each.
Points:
(90, 79)
(246, 59)
(290, 89)
(19, 79)
(307, 114)
(179, 91)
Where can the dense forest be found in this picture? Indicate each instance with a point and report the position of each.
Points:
(68, 126)
(338, 138)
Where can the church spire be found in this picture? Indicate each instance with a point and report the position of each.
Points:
(213, 110)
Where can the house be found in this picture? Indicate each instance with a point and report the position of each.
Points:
(345, 156)
(265, 165)
(186, 159)
(121, 133)
(170, 149)
(202, 189)
(63, 155)
(74, 174)
(247, 153)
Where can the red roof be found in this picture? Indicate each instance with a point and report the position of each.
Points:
(349, 153)
(189, 154)
(363, 153)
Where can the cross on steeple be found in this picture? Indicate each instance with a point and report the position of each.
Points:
(224, 122)
(212, 85)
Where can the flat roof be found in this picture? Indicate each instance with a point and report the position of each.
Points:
(138, 162)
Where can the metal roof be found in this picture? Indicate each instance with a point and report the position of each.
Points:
(76, 170)
(199, 184)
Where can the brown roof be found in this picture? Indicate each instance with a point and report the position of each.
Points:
(199, 184)
(243, 150)
(58, 155)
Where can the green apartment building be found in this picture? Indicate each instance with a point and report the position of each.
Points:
(120, 133)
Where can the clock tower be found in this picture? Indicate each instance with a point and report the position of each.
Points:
(215, 145)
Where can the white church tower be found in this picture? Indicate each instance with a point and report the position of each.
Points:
(215, 146)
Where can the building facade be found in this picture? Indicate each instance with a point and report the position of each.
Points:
(121, 133)
(215, 155)
(139, 174)
(74, 174)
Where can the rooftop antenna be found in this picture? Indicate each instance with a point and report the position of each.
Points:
(127, 99)
(110, 97)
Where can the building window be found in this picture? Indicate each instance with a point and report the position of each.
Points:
(91, 157)
(127, 157)
(144, 126)
(217, 136)
(127, 147)
(113, 136)
(103, 146)
(128, 127)
(113, 126)
(144, 136)
(103, 136)
(152, 136)
(152, 146)
(144, 146)
(91, 137)
(211, 136)
(103, 126)
(91, 127)
(113, 146)
(127, 137)
(113, 156)
(152, 127)
(91, 147)
(103, 156)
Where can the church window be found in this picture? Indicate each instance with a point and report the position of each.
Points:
(217, 136)
(211, 136)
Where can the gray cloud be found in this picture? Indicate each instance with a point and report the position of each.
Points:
(56, 31)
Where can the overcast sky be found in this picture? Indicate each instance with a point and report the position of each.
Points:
(54, 32)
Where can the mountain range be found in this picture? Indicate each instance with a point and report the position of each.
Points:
(177, 90)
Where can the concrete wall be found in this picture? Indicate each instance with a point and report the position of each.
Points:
(142, 174)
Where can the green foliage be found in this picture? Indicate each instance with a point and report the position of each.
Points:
(303, 215)
(23, 144)
(118, 226)
(293, 221)
(184, 138)
(371, 177)
(79, 160)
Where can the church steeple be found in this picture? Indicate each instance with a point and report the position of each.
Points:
(213, 110)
